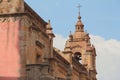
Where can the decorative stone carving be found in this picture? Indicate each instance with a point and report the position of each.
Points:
(38, 43)
(11, 6)
(3, 19)
(17, 18)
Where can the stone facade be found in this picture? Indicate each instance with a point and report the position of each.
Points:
(27, 51)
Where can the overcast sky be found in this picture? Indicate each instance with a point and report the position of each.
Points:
(101, 19)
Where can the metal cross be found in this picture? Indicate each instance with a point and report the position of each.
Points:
(79, 8)
(70, 32)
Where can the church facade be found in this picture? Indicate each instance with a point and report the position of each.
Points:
(27, 51)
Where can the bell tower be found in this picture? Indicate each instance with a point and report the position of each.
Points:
(79, 47)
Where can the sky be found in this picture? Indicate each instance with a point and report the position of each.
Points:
(101, 19)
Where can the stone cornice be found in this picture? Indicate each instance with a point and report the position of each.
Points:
(28, 11)
(57, 56)
(14, 16)
(32, 13)
(37, 29)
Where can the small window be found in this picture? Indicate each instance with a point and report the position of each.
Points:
(39, 44)
(38, 57)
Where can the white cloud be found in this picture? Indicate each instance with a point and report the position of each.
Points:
(108, 56)
(59, 41)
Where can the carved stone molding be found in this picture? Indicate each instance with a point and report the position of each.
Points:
(3, 19)
(17, 18)
(11, 6)
(7, 19)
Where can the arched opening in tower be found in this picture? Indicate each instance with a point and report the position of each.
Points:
(78, 56)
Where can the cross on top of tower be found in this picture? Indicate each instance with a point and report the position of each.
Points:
(79, 6)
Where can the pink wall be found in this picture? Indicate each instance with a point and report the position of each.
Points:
(9, 51)
(8, 78)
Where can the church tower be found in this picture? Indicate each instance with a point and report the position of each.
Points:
(79, 47)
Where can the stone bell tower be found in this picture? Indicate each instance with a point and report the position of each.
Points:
(78, 46)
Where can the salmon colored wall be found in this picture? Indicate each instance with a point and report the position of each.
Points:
(8, 78)
(9, 50)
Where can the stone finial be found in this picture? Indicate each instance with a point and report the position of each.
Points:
(49, 30)
(79, 25)
(71, 36)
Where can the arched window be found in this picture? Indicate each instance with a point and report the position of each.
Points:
(78, 56)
